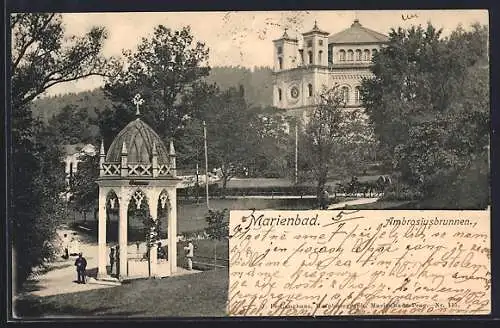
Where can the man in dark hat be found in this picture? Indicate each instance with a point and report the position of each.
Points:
(81, 266)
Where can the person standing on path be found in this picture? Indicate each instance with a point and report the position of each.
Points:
(189, 249)
(81, 266)
(324, 200)
(65, 242)
(111, 259)
(117, 255)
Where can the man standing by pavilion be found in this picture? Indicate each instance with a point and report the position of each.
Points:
(81, 267)
(189, 249)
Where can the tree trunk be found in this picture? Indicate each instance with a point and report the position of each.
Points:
(149, 262)
(225, 178)
(321, 185)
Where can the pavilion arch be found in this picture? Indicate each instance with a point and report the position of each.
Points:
(163, 200)
(112, 200)
(163, 207)
(138, 198)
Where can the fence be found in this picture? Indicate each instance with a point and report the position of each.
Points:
(202, 262)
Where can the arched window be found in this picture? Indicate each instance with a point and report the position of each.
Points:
(342, 55)
(320, 56)
(358, 54)
(374, 52)
(280, 62)
(310, 54)
(345, 94)
(357, 95)
(350, 55)
(366, 54)
(310, 89)
(279, 94)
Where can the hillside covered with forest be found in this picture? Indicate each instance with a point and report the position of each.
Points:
(257, 84)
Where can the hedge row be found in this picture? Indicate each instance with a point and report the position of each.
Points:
(248, 191)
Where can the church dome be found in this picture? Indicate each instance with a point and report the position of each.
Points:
(139, 139)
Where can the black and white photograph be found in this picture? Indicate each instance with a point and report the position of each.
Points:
(135, 134)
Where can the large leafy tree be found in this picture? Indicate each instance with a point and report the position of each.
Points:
(42, 57)
(271, 157)
(73, 125)
(162, 69)
(334, 141)
(429, 103)
(189, 146)
(231, 133)
(84, 190)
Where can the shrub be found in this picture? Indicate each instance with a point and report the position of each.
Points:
(402, 192)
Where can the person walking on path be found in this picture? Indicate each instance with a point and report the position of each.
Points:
(65, 243)
(189, 249)
(81, 266)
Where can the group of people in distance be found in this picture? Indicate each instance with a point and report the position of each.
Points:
(114, 258)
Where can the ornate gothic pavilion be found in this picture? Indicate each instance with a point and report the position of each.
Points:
(137, 170)
(322, 60)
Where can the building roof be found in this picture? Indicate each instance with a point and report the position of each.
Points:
(316, 30)
(139, 139)
(357, 34)
(286, 37)
(71, 149)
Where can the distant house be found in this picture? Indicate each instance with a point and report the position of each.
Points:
(72, 155)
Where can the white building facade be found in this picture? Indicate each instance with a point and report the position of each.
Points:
(302, 68)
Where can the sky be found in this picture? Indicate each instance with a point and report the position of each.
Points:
(245, 38)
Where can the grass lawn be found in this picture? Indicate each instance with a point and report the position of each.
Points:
(201, 294)
(204, 254)
(282, 182)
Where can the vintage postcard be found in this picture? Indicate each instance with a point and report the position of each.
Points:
(250, 163)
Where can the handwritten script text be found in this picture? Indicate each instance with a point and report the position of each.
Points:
(351, 262)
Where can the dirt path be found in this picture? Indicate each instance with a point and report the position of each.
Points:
(60, 277)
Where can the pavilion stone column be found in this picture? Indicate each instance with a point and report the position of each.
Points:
(102, 249)
(172, 229)
(153, 211)
(122, 234)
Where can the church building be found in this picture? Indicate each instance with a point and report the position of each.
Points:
(303, 67)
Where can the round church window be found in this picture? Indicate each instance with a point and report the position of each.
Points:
(294, 92)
